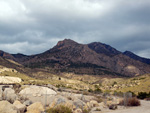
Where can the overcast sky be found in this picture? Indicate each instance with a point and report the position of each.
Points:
(34, 26)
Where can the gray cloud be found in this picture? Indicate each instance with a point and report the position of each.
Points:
(33, 26)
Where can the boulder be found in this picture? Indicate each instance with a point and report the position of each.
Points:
(21, 107)
(35, 108)
(79, 103)
(92, 104)
(6, 107)
(37, 90)
(113, 107)
(9, 95)
(58, 100)
(38, 94)
(27, 103)
(61, 100)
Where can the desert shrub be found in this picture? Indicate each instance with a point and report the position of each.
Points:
(59, 109)
(143, 95)
(130, 102)
(114, 83)
(97, 90)
(98, 109)
(148, 99)
(90, 90)
(142, 78)
(59, 78)
(86, 111)
(133, 102)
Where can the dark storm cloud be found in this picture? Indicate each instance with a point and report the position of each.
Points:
(26, 25)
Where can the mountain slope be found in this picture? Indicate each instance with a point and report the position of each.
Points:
(136, 57)
(103, 48)
(94, 59)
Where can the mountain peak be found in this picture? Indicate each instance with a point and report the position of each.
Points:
(66, 42)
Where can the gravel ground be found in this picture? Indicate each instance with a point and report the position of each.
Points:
(144, 108)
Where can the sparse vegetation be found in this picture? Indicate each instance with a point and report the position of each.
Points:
(59, 109)
(98, 109)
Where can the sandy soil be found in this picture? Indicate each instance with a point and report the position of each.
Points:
(144, 108)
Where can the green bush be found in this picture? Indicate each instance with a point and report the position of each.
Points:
(59, 109)
(143, 95)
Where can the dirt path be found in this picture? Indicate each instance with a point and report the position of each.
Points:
(144, 108)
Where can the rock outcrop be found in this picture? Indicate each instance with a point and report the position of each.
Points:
(9, 80)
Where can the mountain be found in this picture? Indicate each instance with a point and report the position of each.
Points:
(69, 56)
(136, 57)
(94, 59)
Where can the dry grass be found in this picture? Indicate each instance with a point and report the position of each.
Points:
(59, 109)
